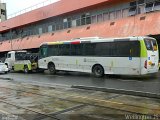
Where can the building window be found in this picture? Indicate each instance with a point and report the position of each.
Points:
(132, 11)
(44, 28)
(99, 18)
(105, 16)
(50, 28)
(53, 27)
(140, 2)
(83, 19)
(134, 3)
(78, 22)
(157, 5)
(74, 23)
(125, 12)
(57, 27)
(94, 19)
(112, 15)
(88, 20)
(24, 34)
(40, 31)
(36, 31)
(118, 14)
(69, 20)
(28, 32)
(60, 26)
(149, 7)
(65, 23)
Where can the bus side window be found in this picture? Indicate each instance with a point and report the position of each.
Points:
(106, 49)
(64, 49)
(135, 49)
(89, 49)
(53, 50)
(123, 48)
(77, 49)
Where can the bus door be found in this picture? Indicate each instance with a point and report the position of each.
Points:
(43, 52)
(152, 51)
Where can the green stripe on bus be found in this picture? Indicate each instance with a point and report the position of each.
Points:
(143, 49)
(18, 67)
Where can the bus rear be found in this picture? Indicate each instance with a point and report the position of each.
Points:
(151, 62)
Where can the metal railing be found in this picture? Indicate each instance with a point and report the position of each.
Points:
(34, 7)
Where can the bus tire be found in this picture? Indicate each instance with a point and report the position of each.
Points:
(51, 68)
(26, 70)
(98, 71)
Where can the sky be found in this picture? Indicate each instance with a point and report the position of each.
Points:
(14, 6)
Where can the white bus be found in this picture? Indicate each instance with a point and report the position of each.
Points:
(122, 56)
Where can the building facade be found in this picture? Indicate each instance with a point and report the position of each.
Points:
(69, 19)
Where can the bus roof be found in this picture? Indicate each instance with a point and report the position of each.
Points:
(17, 51)
(97, 39)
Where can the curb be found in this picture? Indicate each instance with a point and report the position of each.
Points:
(3, 78)
(119, 91)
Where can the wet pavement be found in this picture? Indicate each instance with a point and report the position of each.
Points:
(27, 100)
(143, 84)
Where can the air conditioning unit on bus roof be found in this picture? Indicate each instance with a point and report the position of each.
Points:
(86, 38)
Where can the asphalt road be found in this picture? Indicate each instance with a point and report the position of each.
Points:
(28, 101)
(149, 84)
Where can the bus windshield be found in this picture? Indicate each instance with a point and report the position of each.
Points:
(20, 55)
(151, 44)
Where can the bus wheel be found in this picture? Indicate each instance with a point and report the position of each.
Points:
(51, 68)
(26, 70)
(98, 71)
